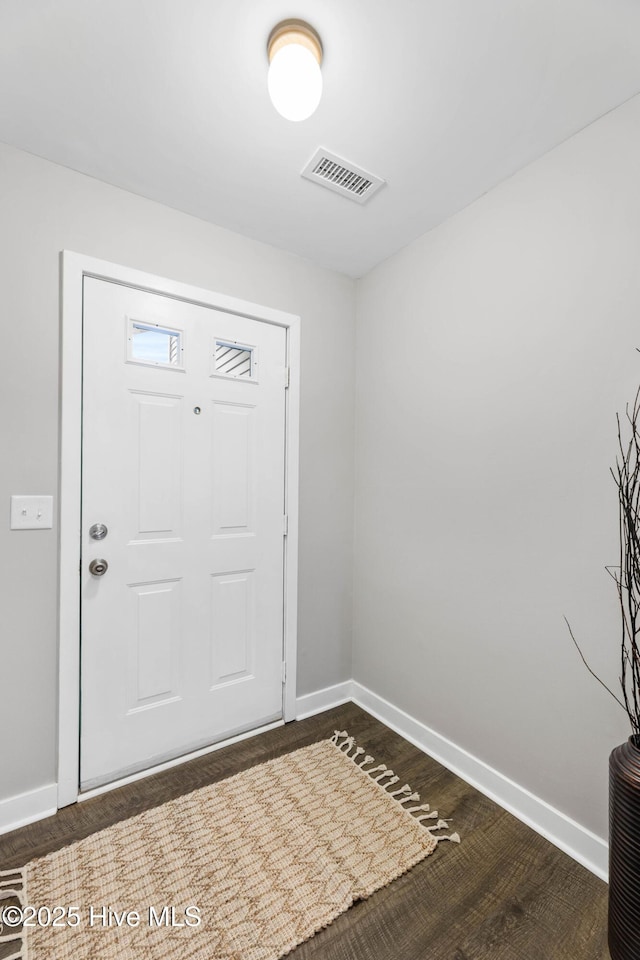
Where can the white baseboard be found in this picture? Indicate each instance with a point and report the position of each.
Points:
(324, 699)
(28, 807)
(581, 844)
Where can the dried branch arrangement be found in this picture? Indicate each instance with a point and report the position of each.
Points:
(626, 475)
(627, 577)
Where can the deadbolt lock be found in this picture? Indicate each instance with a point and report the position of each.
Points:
(98, 531)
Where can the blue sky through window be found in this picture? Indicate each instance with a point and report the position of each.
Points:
(155, 346)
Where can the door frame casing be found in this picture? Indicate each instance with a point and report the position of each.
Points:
(74, 268)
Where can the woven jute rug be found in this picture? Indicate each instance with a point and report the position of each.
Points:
(243, 869)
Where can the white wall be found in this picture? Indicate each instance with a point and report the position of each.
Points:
(45, 208)
(492, 356)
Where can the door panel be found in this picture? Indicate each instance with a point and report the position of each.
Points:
(159, 425)
(155, 630)
(232, 489)
(183, 460)
(232, 626)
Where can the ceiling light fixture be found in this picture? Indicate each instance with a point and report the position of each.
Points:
(295, 81)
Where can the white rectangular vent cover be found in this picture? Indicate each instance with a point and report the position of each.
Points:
(341, 175)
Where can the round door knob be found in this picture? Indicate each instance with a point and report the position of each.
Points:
(98, 568)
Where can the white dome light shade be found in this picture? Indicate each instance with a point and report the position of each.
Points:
(295, 81)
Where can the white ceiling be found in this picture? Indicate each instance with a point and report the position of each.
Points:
(442, 98)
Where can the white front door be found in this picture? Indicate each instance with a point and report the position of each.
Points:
(183, 464)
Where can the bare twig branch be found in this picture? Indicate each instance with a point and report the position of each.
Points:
(626, 476)
(618, 701)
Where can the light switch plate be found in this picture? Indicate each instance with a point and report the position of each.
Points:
(31, 513)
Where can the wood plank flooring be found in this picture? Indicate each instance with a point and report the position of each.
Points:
(504, 893)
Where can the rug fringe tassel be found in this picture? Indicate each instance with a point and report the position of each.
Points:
(369, 759)
(380, 776)
(403, 795)
(398, 793)
(12, 884)
(413, 798)
(454, 837)
(7, 875)
(16, 956)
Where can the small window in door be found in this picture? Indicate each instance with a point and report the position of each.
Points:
(155, 345)
(235, 360)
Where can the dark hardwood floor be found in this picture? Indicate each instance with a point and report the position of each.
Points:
(504, 893)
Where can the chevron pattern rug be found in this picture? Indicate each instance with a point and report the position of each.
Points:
(243, 869)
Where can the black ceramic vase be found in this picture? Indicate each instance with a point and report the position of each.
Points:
(624, 851)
